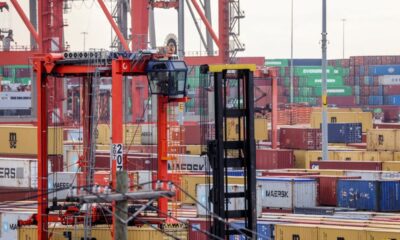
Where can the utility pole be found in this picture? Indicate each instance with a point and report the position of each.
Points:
(84, 39)
(324, 85)
(343, 25)
(291, 55)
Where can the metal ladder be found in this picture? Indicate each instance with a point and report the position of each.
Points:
(233, 151)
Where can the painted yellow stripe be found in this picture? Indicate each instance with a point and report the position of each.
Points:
(222, 67)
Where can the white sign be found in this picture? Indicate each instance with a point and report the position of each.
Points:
(117, 153)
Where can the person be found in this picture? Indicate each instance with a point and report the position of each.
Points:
(7, 41)
(171, 46)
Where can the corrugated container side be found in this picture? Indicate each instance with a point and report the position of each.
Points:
(348, 155)
(287, 193)
(391, 166)
(299, 138)
(327, 189)
(303, 158)
(359, 194)
(9, 223)
(389, 197)
(287, 232)
(346, 165)
(379, 234)
(365, 118)
(265, 231)
(337, 233)
(383, 139)
(274, 158)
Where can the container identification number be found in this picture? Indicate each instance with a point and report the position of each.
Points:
(117, 151)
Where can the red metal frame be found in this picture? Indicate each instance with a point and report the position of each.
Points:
(162, 148)
(114, 25)
(42, 150)
(26, 20)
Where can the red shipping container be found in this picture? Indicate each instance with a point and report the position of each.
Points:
(194, 226)
(300, 138)
(327, 189)
(346, 165)
(287, 174)
(192, 135)
(274, 159)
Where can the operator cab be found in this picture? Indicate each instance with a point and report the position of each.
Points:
(167, 78)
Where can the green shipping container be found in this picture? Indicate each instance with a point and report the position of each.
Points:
(335, 91)
(316, 81)
(306, 92)
(277, 62)
(309, 100)
(307, 71)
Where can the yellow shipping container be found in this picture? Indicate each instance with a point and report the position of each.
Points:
(371, 156)
(365, 118)
(386, 156)
(382, 234)
(396, 156)
(22, 139)
(343, 233)
(295, 231)
(189, 183)
(260, 127)
(391, 166)
(193, 149)
(383, 139)
(132, 134)
(104, 233)
(348, 155)
(304, 157)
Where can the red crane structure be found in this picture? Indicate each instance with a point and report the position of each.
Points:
(166, 78)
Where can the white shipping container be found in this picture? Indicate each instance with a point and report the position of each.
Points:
(149, 134)
(372, 175)
(365, 175)
(288, 193)
(203, 190)
(71, 158)
(389, 80)
(9, 224)
(189, 163)
(144, 179)
(59, 184)
(20, 173)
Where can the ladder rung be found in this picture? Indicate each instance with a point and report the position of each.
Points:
(234, 195)
(234, 162)
(232, 113)
(233, 144)
(236, 213)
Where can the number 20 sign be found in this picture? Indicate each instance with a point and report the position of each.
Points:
(117, 151)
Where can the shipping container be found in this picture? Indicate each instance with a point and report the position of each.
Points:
(18, 173)
(369, 195)
(340, 233)
(365, 118)
(288, 193)
(203, 193)
(61, 184)
(327, 186)
(344, 133)
(189, 163)
(179, 231)
(391, 166)
(22, 139)
(300, 138)
(274, 159)
(303, 158)
(348, 155)
(265, 230)
(189, 183)
(346, 165)
(383, 139)
(382, 234)
(9, 223)
(384, 70)
(296, 232)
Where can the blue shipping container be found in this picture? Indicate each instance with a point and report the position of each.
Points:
(381, 196)
(392, 100)
(375, 100)
(344, 132)
(265, 231)
(359, 194)
(389, 199)
(384, 70)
